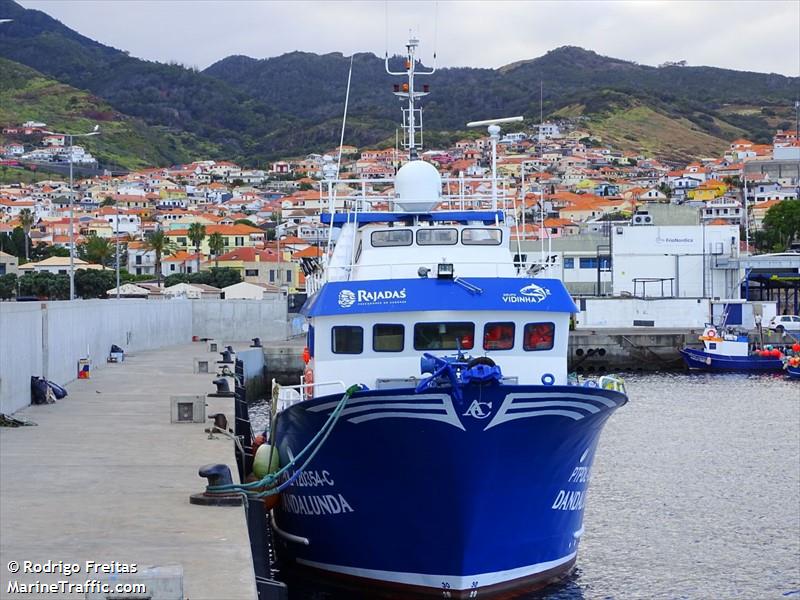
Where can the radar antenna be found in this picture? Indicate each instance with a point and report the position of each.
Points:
(412, 116)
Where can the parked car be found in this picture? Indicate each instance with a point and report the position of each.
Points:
(785, 323)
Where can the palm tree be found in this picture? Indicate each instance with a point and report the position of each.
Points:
(97, 250)
(197, 231)
(26, 219)
(216, 244)
(159, 243)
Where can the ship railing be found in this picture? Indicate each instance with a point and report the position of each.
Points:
(303, 388)
(407, 270)
(458, 193)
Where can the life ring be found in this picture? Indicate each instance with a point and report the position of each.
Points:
(711, 333)
(548, 379)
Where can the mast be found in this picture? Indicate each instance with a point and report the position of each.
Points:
(412, 116)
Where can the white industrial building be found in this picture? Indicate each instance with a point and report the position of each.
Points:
(681, 261)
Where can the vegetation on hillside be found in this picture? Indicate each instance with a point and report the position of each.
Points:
(251, 110)
(27, 95)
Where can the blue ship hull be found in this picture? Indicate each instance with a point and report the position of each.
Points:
(705, 361)
(793, 372)
(436, 494)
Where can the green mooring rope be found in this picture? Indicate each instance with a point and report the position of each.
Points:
(269, 479)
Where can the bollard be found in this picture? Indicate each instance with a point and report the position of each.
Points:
(216, 474)
(223, 389)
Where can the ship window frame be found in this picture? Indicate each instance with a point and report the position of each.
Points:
(490, 242)
(417, 345)
(392, 231)
(437, 229)
(528, 348)
(500, 323)
(402, 337)
(352, 328)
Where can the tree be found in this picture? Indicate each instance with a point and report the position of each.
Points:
(197, 232)
(159, 243)
(44, 285)
(13, 243)
(247, 222)
(781, 226)
(26, 219)
(216, 244)
(96, 250)
(107, 201)
(91, 283)
(8, 286)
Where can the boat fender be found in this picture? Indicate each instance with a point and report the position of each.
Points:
(266, 461)
(708, 360)
(548, 379)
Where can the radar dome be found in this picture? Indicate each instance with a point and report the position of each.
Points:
(418, 187)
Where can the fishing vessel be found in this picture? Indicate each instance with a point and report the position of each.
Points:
(730, 351)
(436, 444)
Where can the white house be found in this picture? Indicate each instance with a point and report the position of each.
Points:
(249, 291)
(192, 291)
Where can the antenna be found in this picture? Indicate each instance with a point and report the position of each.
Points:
(344, 118)
(412, 116)
(494, 134)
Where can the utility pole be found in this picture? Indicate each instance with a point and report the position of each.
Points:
(69, 137)
(116, 241)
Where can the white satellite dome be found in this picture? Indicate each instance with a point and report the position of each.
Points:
(418, 187)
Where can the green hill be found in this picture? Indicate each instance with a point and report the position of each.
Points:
(125, 142)
(252, 110)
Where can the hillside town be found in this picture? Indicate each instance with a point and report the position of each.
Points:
(560, 184)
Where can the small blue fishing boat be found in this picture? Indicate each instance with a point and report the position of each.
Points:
(728, 351)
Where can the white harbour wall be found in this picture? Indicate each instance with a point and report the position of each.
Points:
(680, 313)
(48, 338)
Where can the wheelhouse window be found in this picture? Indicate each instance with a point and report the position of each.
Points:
(437, 237)
(481, 236)
(386, 238)
(444, 336)
(388, 337)
(498, 336)
(347, 339)
(538, 336)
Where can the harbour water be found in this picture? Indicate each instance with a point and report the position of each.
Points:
(695, 494)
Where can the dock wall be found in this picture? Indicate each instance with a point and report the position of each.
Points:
(638, 312)
(48, 338)
(240, 320)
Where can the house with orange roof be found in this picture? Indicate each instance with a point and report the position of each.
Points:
(234, 236)
(260, 266)
(759, 211)
(708, 190)
(181, 262)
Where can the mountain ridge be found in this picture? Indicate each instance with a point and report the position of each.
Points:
(252, 110)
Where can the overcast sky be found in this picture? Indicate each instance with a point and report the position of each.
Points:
(759, 36)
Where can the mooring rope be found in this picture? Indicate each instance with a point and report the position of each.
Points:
(269, 479)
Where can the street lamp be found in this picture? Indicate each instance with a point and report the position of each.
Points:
(69, 136)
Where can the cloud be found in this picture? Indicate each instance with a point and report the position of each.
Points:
(747, 35)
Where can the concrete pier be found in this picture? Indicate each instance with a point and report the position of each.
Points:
(105, 477)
